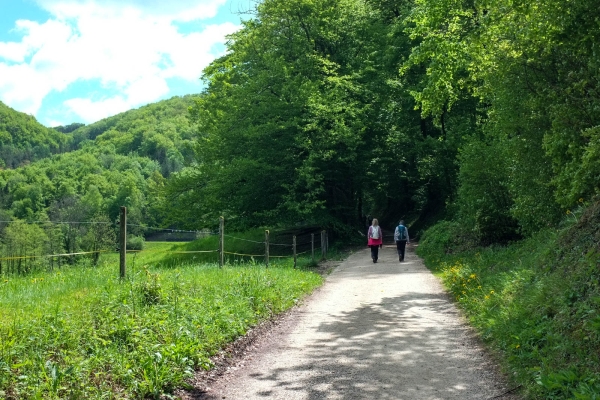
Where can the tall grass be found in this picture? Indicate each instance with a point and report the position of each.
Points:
(248, 247)
(83, 333)
(536, 303)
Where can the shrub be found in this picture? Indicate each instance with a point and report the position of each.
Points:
(483, 197)
(135, 242)
(446, 237)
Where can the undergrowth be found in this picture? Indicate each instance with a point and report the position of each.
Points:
(535, 302)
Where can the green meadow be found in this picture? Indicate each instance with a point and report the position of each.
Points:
(81, 332)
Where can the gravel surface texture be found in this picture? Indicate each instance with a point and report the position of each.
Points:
(384, 330)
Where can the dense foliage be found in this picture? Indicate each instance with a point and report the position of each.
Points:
(329, 110)
(533, 69)
(306, 119)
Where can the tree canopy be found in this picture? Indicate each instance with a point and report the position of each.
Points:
(305, 120)
(324, 111)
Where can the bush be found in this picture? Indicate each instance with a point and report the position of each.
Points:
(135, 242)
(483, 197)
(446, 237)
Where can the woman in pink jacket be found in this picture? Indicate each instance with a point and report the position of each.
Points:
(375, 239)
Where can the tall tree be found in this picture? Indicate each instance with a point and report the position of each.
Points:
(282, 123)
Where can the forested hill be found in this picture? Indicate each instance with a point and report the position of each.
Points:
(23, 139)
(160, 131)
(171, 112)
(123, 160)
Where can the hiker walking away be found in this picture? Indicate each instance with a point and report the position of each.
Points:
(375, 239)
(402, 239)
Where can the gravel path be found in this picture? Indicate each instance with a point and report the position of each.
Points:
(373, 331)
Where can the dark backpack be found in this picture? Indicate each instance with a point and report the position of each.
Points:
(401, 232)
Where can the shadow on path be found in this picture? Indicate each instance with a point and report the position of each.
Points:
(383, 331)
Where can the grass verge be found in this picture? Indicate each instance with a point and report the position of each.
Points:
(83, 333)
(536, 303)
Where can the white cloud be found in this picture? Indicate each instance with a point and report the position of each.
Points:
(173, 10)
(13, 51)
(130, 46)
(195, 49)
(23, 88)
(151, 87)
(91, 110)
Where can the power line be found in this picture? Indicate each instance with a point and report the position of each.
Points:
(59, 222)
(245, 240)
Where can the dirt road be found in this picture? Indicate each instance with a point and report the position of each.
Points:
(373, 331)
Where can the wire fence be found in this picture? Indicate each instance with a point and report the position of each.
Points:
(27, 247)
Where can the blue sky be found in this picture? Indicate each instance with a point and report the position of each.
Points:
(66, 61)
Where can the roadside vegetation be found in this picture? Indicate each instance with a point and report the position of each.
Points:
(82, 333)
(535, 302)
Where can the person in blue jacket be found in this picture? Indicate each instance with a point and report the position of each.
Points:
(402, 239)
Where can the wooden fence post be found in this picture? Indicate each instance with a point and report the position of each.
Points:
(267, 248)
(123, 242)
(221, 242)
(294, 245)
(312, 246)
(326, 243)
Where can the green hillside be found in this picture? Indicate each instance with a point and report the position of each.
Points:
(536, 303)
(23, 139)
(160, 131)
(123, 160)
